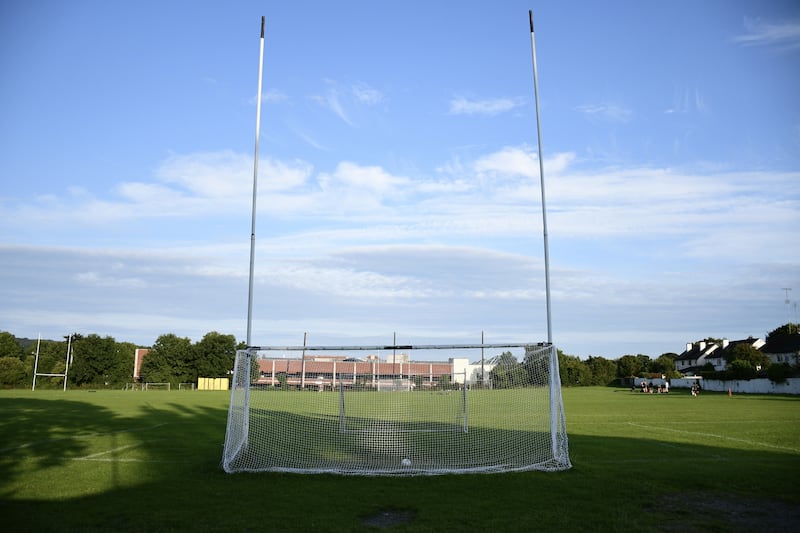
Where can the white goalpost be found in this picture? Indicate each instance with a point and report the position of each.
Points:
(357, 415)
(382, 414)
(62, 375)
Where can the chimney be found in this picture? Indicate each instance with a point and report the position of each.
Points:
(689, 346)
(725, 343)
(702, 345)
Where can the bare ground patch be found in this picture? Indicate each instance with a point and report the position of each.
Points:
(700, 512)
(389, 517)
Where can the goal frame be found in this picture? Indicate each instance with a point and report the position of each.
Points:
(238, 429)
(239, 414)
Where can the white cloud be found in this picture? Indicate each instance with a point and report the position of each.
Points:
(510, 161)
(356, 188)
(612, 112)
(687, 100)
(785, 35)
(365, 94)
(331, 101)
(274, 96)
(491, 106)
(356, 235)
(98, 280)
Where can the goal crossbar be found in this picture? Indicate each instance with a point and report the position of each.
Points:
(394, 347)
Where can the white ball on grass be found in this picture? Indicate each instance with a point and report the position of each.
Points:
(406, 462)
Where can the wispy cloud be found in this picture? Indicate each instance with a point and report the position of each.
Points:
(94, 279)
(687, 100)
(422, 247)
(784, 35)
(612, 112)
(367, 95)
(490, 195)
(274, 96)
(331, 101)
(490, 106)
(343, 102)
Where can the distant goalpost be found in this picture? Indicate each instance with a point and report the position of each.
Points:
(62, 375)
(157, 386)
(377, 417)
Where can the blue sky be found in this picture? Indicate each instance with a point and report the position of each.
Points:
(398, 184)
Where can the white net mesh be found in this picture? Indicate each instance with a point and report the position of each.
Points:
(374, 416)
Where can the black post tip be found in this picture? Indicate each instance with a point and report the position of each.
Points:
(262, 27)
(530, 18)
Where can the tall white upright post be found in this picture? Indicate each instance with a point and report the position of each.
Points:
(255, 193)
(250, 354)
(66, 366)
(541, 179)
(555, 392)
(36, 362)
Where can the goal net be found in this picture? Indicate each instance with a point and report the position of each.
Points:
(386, 413)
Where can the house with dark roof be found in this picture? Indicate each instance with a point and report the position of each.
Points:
(694, 357)
(783, 348)
(698, 354)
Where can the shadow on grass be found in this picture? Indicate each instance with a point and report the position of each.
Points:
(56, 474)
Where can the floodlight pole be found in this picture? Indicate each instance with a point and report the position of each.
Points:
(541, 179)
(788, 315)
(255, 193)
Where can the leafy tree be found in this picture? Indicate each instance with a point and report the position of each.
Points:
(282, 379)
(741, 369)
(779, 372)
(746, 352)
(170, 360)
(574, 372)
(786, 329)
(628, 366)
(9, 347)
(214, 355)
(122, 370)
(508, 372)
(93, 360)
(644, 362)
(255, 369)
(603, 371)
(537, 366)
(12, 371)
(506, 359)
(664, 364)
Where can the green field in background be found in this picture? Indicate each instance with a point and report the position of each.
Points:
(149, 461)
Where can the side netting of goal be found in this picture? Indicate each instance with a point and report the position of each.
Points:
(396, 410)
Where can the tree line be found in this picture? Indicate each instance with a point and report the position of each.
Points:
(96, 361)
(743, 361)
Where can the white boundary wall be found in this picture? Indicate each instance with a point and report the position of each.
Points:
(744, 386)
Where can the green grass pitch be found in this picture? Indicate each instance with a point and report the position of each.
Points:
(149, 461)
